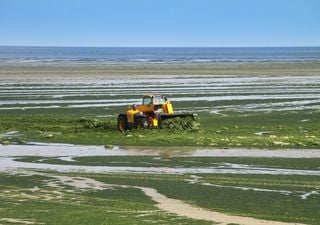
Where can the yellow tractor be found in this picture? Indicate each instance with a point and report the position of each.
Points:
(154, 109)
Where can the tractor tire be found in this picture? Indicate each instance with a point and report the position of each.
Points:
(159, 121)
(122, 123)
(141, 123)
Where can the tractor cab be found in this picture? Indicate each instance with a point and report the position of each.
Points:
(153, 99)
(155, 102)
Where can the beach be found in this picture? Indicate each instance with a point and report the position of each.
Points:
(159, 112)
(67, 71)
(255, 140)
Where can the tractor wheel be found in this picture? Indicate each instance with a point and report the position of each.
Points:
(159, 121)
(122, 123)
(141, 123)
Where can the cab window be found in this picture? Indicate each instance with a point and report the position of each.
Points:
(158, 100)
(147, 100)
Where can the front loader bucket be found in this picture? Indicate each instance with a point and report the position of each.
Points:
(176, 115)
(179, 122)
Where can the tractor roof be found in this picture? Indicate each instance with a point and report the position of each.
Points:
(151, 94)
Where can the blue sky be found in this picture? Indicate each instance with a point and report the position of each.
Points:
(214, 23)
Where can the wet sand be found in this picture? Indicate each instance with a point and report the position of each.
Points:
(290, 80)
(69, 71)
(67, 152)
(47, 73)
(170, 205)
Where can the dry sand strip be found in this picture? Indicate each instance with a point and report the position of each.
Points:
(170, 205)
(183, 209)
(18, 221)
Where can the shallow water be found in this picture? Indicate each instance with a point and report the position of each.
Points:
(8, 163)
(68, 151)
(59, 149)
(27, 55)
(273, 93)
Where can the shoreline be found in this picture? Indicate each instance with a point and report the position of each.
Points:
(27, 71)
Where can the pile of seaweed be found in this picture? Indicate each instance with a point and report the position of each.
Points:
(4, 140)
(97, 124)
(172, 125)
(181, 124)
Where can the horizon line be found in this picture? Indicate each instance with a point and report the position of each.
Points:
(83, 46)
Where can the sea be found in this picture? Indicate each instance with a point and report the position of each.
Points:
(13, 55)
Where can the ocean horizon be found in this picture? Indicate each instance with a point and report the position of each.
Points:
(86, 55)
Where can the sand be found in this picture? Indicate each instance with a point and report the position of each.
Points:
(114, 70)
(170, 205)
